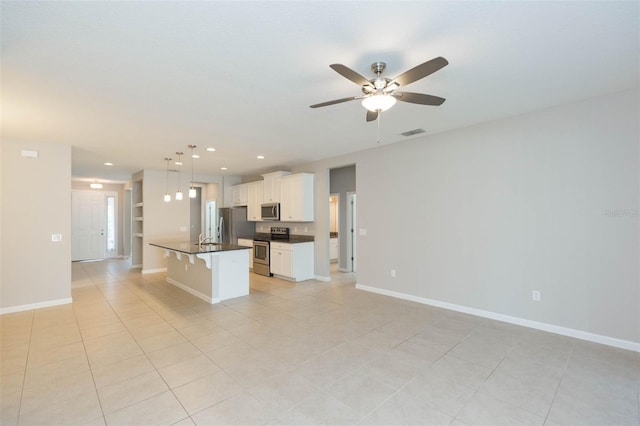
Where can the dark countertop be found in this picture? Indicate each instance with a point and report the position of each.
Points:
(293, 239)
(191, 247)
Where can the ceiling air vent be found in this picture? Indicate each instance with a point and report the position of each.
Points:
(412, 132)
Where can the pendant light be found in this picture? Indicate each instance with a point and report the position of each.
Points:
(167, 197)
(179, 163)
(192, 190)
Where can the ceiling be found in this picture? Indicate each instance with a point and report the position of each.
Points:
(134, 82)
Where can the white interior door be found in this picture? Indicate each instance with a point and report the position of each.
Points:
(87, 225)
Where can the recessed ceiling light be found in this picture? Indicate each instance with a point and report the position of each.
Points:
(260, 157)
(195, 156)
(223, 168)
(210, 149)
(108, 164)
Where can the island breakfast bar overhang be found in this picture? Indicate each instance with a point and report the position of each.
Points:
(211, 272)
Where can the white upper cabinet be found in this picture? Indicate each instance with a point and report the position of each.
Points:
(272, 186)
(296, 198)
(254, 201)
(239, 194)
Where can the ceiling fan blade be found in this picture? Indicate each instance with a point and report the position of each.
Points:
(372, 115)
(337, 101)
(421, 71)
(419, 98)
(350, 74)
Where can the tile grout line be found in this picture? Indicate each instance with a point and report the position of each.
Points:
(564, 370)
(26, 364)
(86, 354)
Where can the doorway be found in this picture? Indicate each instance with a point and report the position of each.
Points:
(342, 189)
(94, 225)
(334, 228)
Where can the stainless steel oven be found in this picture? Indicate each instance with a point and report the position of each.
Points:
(261, 258)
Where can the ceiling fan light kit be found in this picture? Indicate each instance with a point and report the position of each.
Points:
(378, 102)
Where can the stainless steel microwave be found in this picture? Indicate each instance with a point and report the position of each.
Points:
(271, 211)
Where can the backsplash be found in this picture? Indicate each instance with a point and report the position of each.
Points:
(295, 228)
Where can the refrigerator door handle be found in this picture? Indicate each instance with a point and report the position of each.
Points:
(221, 230)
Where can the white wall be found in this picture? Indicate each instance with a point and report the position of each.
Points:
(36, 202)
(479, 217)
(509, 207)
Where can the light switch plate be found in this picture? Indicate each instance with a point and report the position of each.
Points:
(363, 232)
(29, 153)
(56, 238)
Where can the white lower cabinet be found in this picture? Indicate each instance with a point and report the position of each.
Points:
(333, 249)
(292, 261)
(247, 243)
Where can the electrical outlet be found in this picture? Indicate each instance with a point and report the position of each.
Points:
(306, 229)
(295, 229)
(393, 273)
(363, 232)
(183, 229)
(535, 295)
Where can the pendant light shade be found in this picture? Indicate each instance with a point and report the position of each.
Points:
(179, 163)
(192, 190)
(167, 197)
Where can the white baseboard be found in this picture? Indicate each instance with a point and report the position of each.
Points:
(192, 291)
(321, 278)
(137, 265)
(564, 331)
(341, 269)
(153, 271)
(38, 305)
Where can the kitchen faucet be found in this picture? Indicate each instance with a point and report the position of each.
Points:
(203, 240)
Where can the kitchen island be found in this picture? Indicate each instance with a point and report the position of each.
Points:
(213, 272)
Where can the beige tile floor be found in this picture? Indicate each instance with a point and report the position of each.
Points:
(132, 349)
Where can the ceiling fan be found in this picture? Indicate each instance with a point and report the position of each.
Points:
(380, 93)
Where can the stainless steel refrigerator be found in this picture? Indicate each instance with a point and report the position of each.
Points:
(232, 223)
